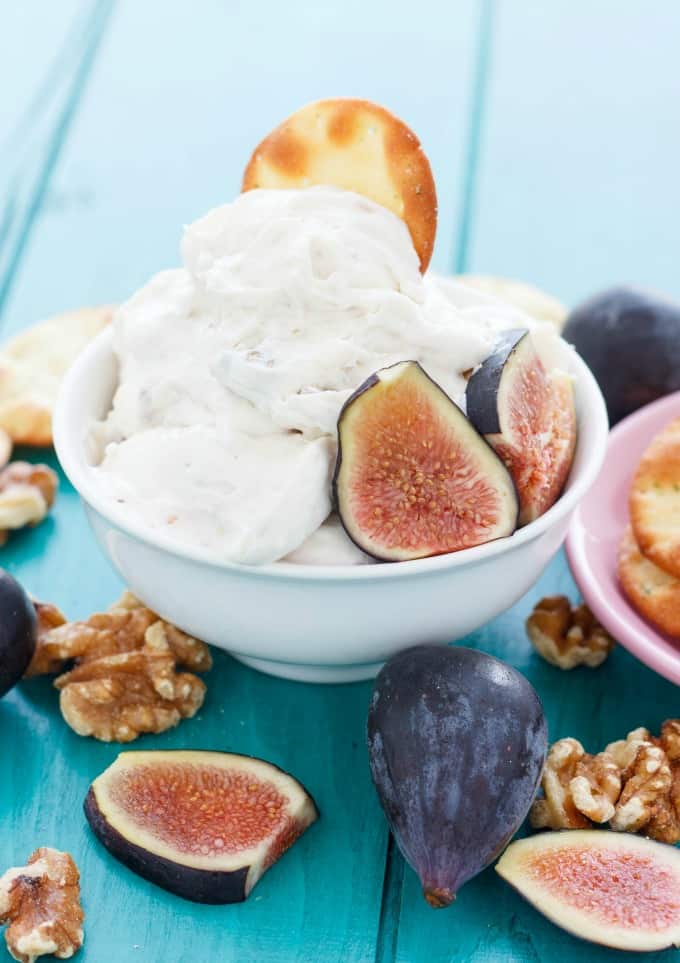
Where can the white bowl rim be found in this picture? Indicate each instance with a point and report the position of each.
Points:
(71, 456)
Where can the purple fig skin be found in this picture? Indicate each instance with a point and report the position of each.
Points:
(457, 741)
(630, 340)
(18, 631)
(481, 394)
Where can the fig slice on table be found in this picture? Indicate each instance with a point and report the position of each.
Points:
(413, 477)
(456, 742)
(527, 415)
(615, 889)
(203, 825)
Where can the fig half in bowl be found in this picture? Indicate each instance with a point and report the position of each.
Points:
(413, 477)
(527, 415)
(317, 623)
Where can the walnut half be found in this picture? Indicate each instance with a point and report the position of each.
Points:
(41, 903)
(124, 681)
(27, 493)
(566, 636)
(578, 788)
(634, 785)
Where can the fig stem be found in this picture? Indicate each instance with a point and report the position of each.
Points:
(439, 896)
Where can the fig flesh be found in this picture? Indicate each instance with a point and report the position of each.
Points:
(630, 340)
(527, 415)
(203, 825)
(615, 889)
(413, 478)
(456, 741)
(18, 631)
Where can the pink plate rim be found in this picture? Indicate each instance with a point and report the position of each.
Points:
(612, 608)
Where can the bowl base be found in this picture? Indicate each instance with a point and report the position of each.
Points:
(299, 672)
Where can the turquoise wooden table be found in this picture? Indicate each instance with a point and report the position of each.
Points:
(552, 129)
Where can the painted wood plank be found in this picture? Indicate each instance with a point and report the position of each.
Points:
(53, 33)
(320, 899)
(311, 905)
(163, 137)
(37, 103)
(578, 183)
(160, 137)
(575, 188)
(488, 920)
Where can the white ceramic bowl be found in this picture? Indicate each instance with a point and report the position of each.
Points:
(317, 624)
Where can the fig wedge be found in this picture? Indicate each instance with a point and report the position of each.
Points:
(203, 825)
(413, 477)
(527, 415)
(615, 889)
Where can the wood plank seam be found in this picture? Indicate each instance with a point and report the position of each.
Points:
(390, 910)
(478, 101)
(97, 23)
(27, 136)
(49, 84)
(388, 925)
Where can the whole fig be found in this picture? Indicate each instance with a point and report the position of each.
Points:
(630, 340)
(456, 741)
(18, 631)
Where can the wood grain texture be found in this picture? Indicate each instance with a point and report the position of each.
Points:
(325, 893)
(159, 132)
(570, 185)
(177, 101)
(488, 920)
(37, 107)
(316, 903)
(577, 186)
(569, 181)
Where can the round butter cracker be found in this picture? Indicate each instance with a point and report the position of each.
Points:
(32, 365)
(654, 593)
(534, 302)
(655, 500)
(358, 146)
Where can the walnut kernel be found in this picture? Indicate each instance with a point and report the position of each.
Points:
(27, 493)
(634, 785)
(41, 903)
(557, 810)
(125, 680)
(645, 796)
(566, 636)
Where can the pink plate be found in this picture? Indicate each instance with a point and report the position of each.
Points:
(595, 533)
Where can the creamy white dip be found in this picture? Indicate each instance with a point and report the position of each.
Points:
(234, 368)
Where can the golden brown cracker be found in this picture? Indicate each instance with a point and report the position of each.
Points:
(534, 302)
(654, 593)
(358, 146)
(32, 366)
(655, 500)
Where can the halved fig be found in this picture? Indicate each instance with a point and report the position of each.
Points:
(203, 825)
(610, 888)
(413, 477)
(527, 415)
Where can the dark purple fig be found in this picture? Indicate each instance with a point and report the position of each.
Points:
(527, 415)
(203, 825)
(456, 741)
(413, 477)
(18, 631)
(630, 340)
